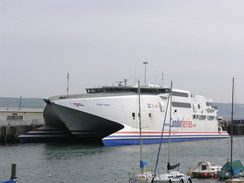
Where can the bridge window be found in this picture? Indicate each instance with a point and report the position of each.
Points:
(181, 104)
(210, 117)
(179, 94)
(202, 117)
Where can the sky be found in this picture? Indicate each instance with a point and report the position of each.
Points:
(199, 45)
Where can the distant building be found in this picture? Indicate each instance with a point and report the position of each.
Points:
(23, 116)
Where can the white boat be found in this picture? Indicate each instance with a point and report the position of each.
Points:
(205, 170)
(235, 180)
(149, 177)
(109, 114)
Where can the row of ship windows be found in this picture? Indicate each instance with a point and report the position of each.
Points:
(132, 89)
(181, 104)
(203, 117)
(200, 117)
(186, 105)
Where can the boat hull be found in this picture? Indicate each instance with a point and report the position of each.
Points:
(84, 125)
(147, 177)
(65, 124)
(44, 134)
(133, 138)
(235, 180)
(205, 175)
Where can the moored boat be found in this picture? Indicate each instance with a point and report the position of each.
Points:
(205, 170)
(235, 180)
(150, 177)
(108, 114)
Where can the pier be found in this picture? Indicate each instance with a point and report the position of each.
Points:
(15, 122)
(10, 133)
(238, 127)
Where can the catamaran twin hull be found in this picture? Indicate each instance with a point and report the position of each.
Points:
(111, 114)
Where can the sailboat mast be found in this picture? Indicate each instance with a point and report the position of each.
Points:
(139, 115)
(170, 120)
(232, 111)
(161, 138)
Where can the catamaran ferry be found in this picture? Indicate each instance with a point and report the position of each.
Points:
(110, 114)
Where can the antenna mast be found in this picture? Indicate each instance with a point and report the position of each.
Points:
(145, 75)
(67, 84)
(162, 79)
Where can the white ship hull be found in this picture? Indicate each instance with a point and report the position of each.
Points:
(112, 116)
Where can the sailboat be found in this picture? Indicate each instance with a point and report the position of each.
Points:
(233, 171)
(150, 176)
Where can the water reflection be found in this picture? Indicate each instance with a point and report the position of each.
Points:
(65, 151)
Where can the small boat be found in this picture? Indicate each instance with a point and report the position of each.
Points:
(205, 170)
(235, 180)
(13, 177)
(9, 181)
(152, 176)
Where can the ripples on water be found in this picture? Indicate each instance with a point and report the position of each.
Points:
(69, 163)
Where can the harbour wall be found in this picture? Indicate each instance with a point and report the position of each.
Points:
(10, 133)
(238, 129)
(238, 126)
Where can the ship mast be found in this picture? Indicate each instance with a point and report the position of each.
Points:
(232, 111)
(67, 84)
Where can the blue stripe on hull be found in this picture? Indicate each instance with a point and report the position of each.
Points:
(118, 142)
(167, 136)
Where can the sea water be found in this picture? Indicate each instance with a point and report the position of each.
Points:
(79, 163)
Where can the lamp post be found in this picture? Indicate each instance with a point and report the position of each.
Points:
(145, 75)
(20, 102)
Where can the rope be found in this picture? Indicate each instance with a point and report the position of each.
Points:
(161, 139)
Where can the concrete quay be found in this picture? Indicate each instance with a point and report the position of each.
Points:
(15, 122)
(10, 133)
